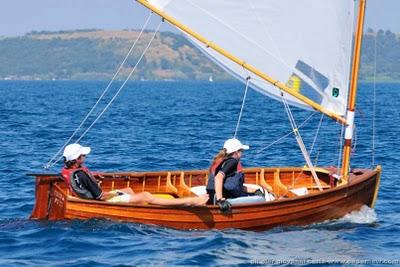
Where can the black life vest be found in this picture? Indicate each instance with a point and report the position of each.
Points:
(73, 183)
(232, 185)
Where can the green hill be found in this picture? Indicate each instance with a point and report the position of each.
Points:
(387, 56)
(96, 54)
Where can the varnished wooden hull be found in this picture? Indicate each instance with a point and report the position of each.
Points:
(52, 202)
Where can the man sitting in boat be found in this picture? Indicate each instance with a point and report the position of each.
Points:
(226, 177)
(82, 183)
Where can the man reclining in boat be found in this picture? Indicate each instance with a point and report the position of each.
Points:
(226, 177)
(82, 183)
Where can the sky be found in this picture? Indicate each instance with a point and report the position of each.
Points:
(18, 17)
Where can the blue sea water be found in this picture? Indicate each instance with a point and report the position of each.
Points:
(176, 125)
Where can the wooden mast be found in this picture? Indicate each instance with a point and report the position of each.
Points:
(353, 91)
(242, 63)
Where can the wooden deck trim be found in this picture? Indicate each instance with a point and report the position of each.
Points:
(184, 190)
(264, 183)
(169, 186)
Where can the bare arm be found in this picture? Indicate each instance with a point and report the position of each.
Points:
(219, 180)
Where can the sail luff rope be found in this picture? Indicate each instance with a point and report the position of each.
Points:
(300, 142)
(242, 107)
(123, 85)
(50, 162)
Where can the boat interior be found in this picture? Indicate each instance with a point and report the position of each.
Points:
(280, 182)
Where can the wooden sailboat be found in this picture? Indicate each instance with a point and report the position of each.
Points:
(326, 196)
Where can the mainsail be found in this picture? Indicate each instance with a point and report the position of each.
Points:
(304, 44)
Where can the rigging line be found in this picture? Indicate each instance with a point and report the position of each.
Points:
(312, 147)
(316, 134)
(241, 109)
(286, 135)
(354, 145)
(49, 163)
(117, 93)
(374, 105)
(123, 85)
(300, 142)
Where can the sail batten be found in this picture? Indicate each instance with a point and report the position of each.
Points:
(307, 41)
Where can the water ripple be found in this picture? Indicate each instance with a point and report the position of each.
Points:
(159, 126)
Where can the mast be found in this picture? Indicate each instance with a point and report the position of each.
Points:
(353, 91)
(242, 63)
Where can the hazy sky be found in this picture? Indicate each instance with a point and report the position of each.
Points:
(18, 17)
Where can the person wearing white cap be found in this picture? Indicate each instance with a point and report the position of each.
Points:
(226, 177)
(83, 184)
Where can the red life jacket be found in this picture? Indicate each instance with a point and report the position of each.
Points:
(68, 173)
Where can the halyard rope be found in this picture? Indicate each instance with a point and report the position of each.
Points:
(316, 134)
(286, 135)
(122, 86)
(300, 141)
(54, 159)
(241, 108)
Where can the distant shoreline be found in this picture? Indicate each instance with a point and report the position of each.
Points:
(183, 81)
(95, 54)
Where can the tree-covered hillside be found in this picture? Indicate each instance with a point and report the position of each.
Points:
(96, 54)
(385, 47)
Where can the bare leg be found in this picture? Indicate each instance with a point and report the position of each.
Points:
(249, 189)
(149, 198)
(252, 190)
(127, 190)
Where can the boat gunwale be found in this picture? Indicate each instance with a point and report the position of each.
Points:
(369, 173)
(175, 172)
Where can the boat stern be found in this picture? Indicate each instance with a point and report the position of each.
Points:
(50, 200)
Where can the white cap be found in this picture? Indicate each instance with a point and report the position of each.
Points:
(73, 151)
(233, 145)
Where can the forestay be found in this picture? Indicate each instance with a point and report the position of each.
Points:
(303, 43)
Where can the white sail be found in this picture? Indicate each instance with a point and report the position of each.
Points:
(303, 43)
